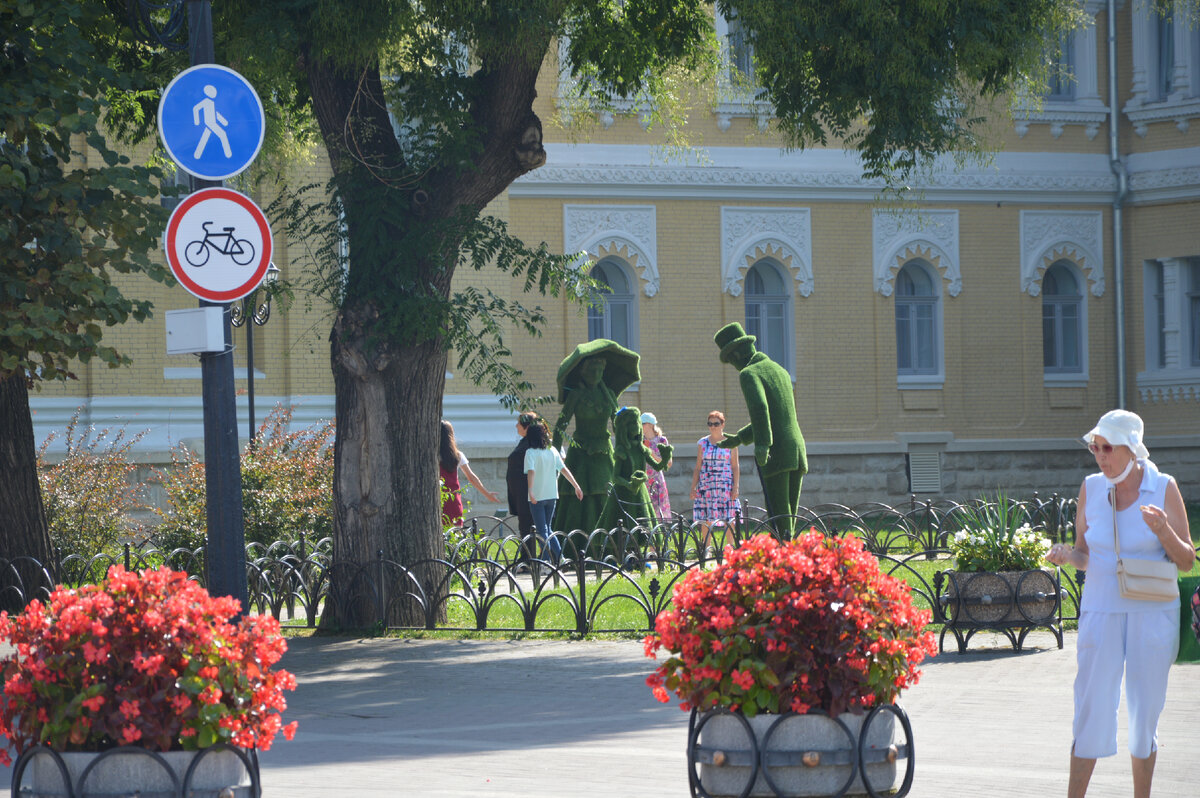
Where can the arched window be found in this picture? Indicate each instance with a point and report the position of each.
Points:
(1062, 320)
(768, 316)
(613, 315)
(918, 352)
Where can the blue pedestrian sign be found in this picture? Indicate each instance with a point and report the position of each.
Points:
(211, 121)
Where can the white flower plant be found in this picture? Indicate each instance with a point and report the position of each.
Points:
(997, 537)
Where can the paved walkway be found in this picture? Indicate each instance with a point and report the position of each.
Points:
(433, 718)
(537, 718)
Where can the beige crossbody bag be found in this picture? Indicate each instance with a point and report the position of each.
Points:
(1145, 580)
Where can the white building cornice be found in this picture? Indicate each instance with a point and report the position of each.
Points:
(596, 171)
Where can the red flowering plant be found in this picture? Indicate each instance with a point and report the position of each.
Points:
(148, 659)
(810, 624)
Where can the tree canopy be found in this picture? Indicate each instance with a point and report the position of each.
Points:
(74, 213)
(425, 111)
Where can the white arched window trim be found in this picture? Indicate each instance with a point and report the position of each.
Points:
(751, 234)
(609, 229)
(902, 236)
(1048, 236)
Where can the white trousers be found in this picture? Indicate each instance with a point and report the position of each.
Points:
(1142, 645)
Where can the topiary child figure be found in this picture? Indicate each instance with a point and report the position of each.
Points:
(630, 498)
(773, 428)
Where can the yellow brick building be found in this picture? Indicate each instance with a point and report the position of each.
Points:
(952, 345)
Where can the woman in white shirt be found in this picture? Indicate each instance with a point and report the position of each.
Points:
(543, 464)
(1118, 636)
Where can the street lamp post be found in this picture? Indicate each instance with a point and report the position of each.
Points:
(258, 315)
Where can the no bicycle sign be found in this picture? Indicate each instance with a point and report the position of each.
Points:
(218, 244)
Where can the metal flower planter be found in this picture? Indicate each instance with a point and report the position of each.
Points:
(221, 771)
(1013, 603)
(800, 755)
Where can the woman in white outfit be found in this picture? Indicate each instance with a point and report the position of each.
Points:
(1117, 634)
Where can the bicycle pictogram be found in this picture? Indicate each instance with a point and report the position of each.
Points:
(240, 250)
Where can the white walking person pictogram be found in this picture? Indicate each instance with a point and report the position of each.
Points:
(213, 121)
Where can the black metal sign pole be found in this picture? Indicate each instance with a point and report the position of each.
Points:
(226, 552)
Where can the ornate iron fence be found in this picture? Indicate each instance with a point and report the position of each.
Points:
(614, 580)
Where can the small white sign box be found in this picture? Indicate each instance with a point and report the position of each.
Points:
(195, 330)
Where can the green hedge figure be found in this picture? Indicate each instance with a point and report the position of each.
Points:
(589, 381)
(773, 428)
(630, 502)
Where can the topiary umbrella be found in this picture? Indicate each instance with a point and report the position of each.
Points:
(620, 371)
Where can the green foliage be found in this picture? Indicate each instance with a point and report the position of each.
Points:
(73, 212)
(895, 80)
(473, 321)
(996, 536)
(89, 495)
(287, 487)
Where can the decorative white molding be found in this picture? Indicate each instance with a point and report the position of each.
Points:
(640, 172)
(1047, 236)
(752, 233)
(1090, 114)
(633, 228)
(1167, 385)
(931, 234)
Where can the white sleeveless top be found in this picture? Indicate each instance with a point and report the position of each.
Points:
(1100, 591)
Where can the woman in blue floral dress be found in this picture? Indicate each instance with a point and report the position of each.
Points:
(714, 480)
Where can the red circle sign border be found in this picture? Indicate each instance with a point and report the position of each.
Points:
(177, 270)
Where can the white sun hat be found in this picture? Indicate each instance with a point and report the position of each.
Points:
(1121, 428)
(648, 418)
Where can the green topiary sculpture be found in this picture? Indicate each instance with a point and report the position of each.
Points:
(589, 381)
(630, 500)
(773, 428)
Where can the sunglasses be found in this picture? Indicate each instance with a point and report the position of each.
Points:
(715, 423)
(1097, 448)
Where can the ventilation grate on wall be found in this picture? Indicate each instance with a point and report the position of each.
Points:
(924, 472)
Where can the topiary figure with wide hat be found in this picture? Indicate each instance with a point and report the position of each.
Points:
(589, 381)
(773, 428)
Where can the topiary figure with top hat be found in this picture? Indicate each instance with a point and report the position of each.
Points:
(773, 429)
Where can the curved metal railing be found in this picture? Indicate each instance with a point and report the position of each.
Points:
(490, 579)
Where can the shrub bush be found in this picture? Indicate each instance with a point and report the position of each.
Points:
(88, 494)
(287, 487)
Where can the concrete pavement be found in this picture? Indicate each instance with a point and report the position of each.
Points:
(541, 718)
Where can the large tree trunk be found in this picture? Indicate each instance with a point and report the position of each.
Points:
(23, 530)
(388, 349)
(386, 498)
